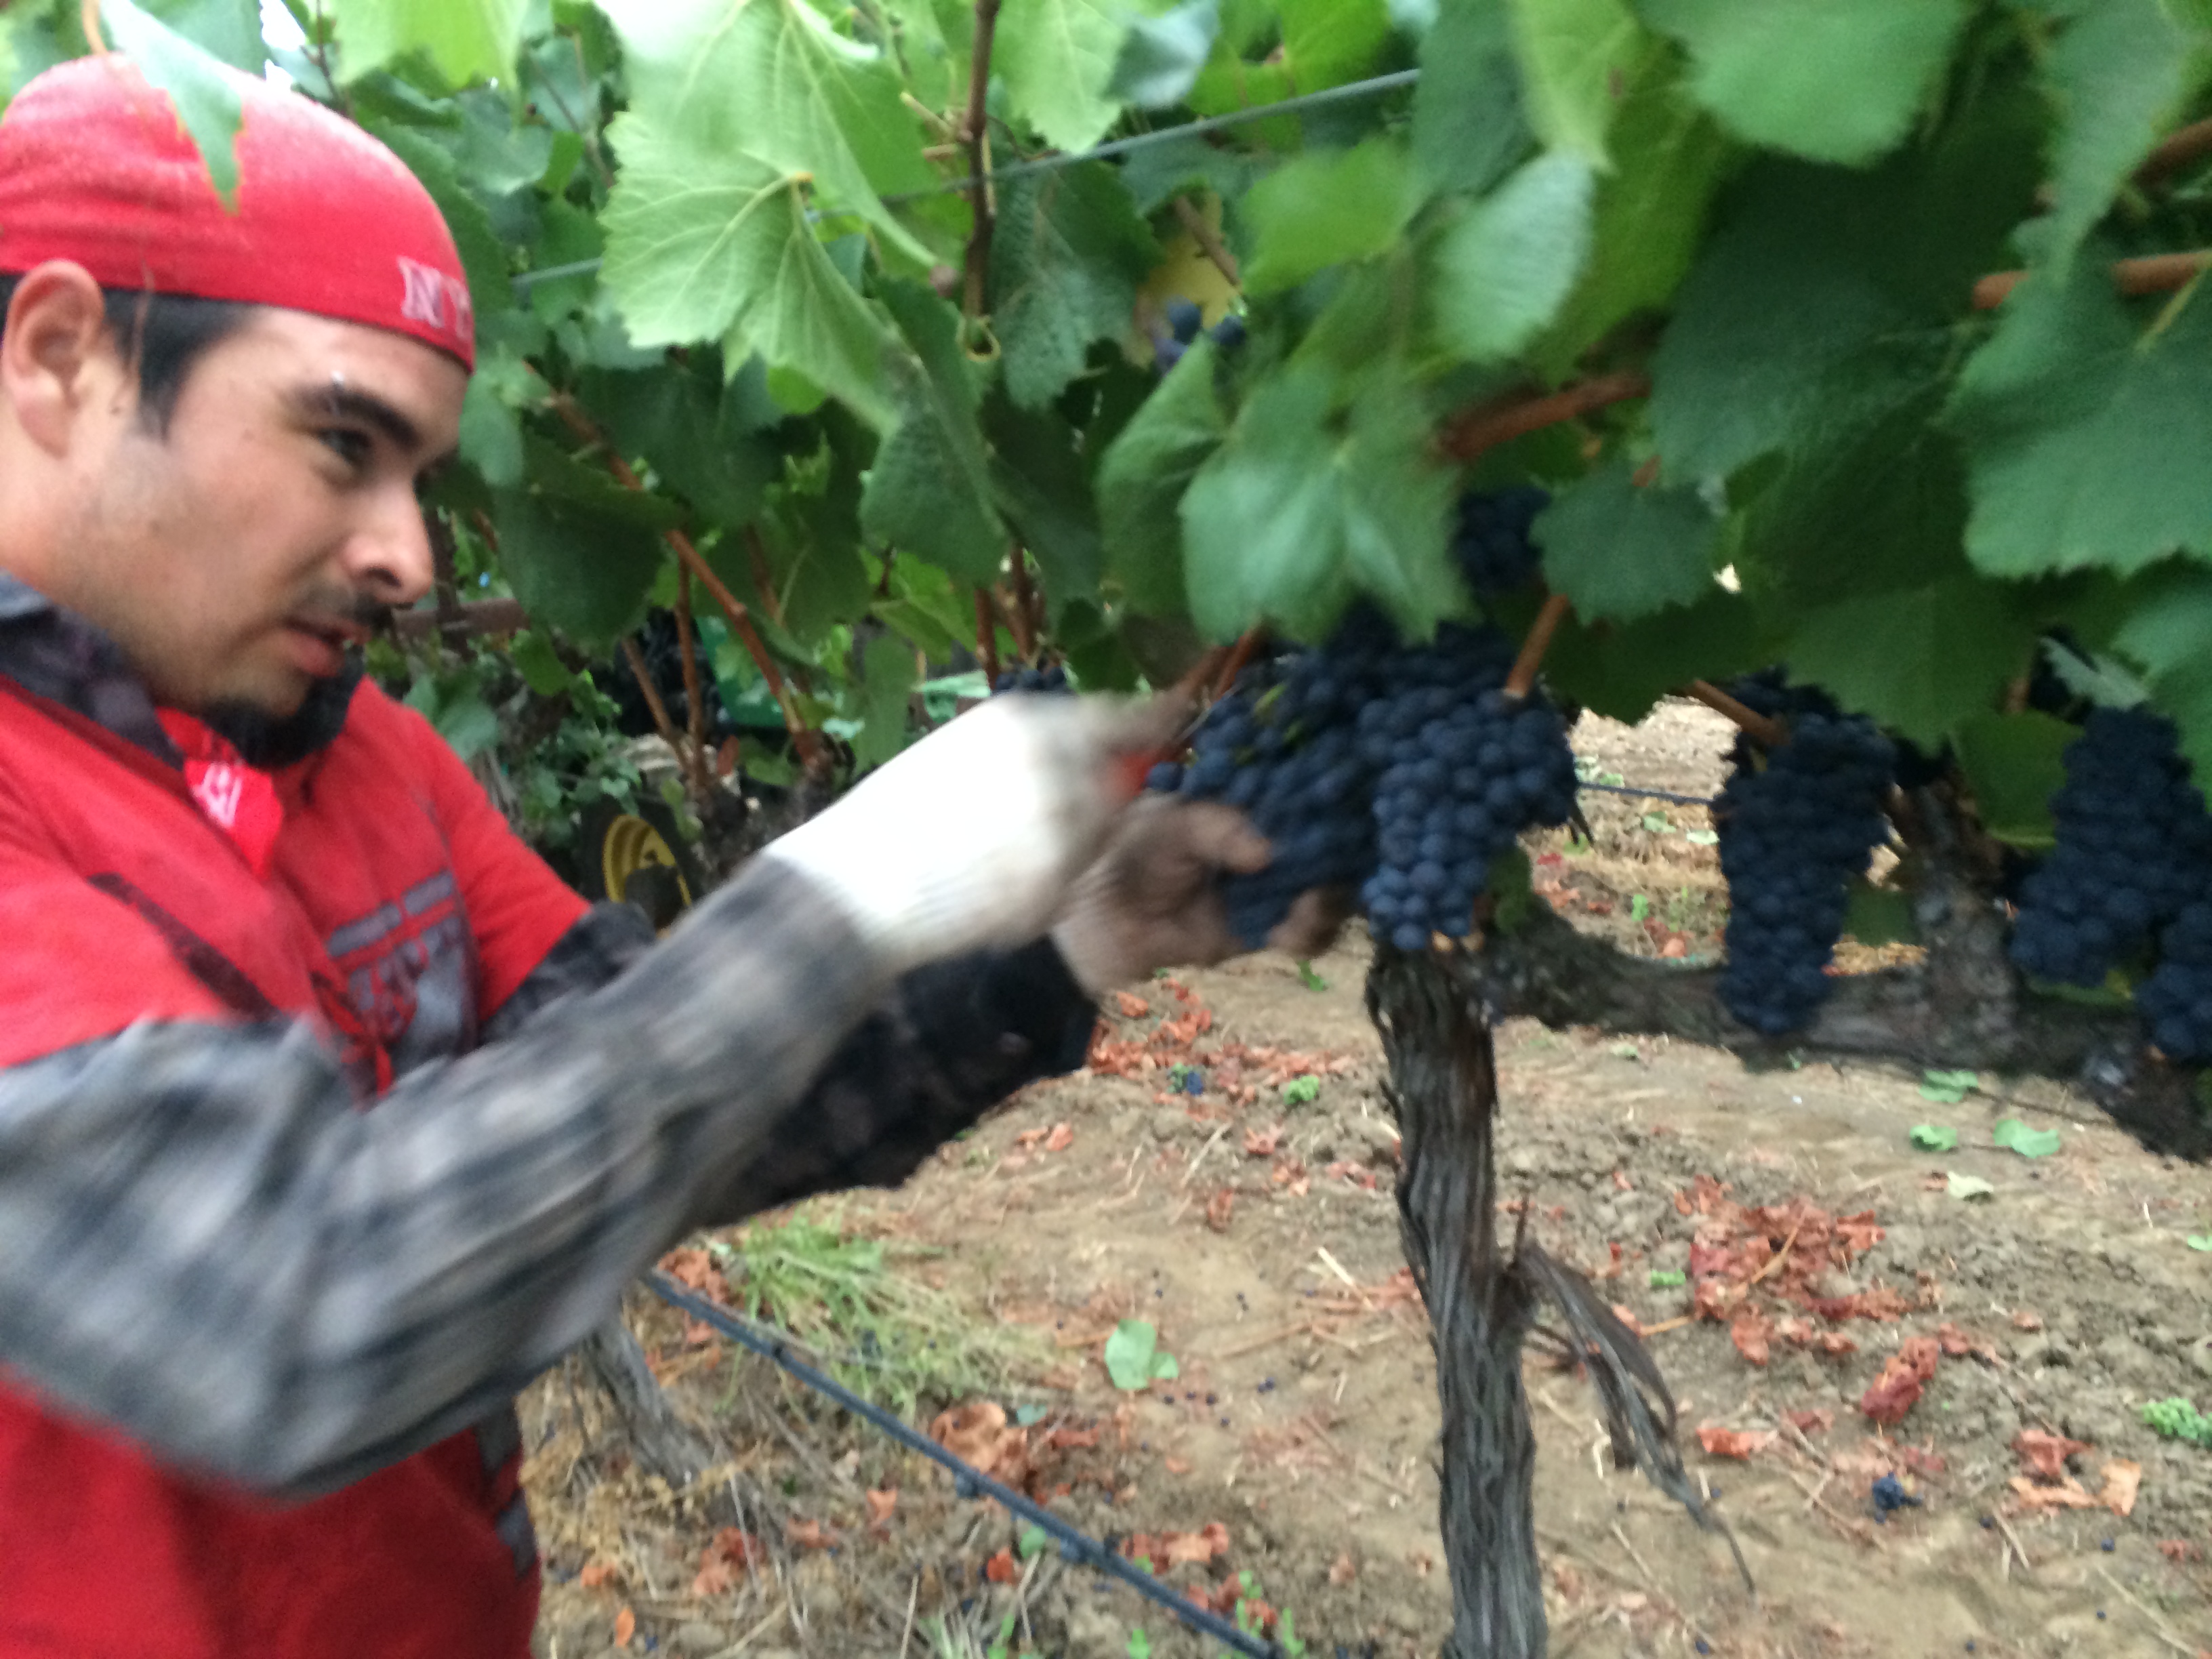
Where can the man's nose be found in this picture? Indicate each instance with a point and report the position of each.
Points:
(388, 555)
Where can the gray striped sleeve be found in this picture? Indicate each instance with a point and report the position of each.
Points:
(205, 1245)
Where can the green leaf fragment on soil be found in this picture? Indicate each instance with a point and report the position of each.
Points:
(1935, 1137)
(2012, 1134)
(1967, 1185)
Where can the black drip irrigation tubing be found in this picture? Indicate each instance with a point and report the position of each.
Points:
(1646, 794)
(966, 1480)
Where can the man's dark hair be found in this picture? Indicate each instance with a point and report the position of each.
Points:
(163, 335)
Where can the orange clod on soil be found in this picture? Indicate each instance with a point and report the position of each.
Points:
(1738, 1444)
(1904, 1375)
(2044, 1454)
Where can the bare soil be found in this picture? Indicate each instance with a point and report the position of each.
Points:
(1260, 1237)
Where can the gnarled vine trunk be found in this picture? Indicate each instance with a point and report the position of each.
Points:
(1482, 1304)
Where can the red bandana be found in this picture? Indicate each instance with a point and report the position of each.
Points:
(233, 797)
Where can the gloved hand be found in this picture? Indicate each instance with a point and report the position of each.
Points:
(972, 837)
(1154, 899)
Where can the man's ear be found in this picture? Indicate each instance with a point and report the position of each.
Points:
(58, 360)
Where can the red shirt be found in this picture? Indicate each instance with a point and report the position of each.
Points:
(398, 911)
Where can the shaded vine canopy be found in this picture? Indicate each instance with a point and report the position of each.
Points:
(732, 242)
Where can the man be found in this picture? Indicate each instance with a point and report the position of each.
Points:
(294, 1193)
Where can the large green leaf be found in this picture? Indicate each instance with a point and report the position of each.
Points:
(672, 419)
(1042, 487)
(887, 683)
(466, 39)
(1830, 79)
(2014, 763)
(1055, 58)
(2118, 73)
(1621, 670)
(1504, 270)
(2090, 439)
(584, 571)
(1824, 284)
(929, 492)
(1322, 44)
(1620, 553)
(703, 246)
(1574, 56)
(1469, 127)
(1066, 257)
(1921, 661)
(770, 81)
(1161, 57)
(1650, 214)
(1143, 478)
(228, 29)
(1324, 209)
(206, 91)
(1303, 506)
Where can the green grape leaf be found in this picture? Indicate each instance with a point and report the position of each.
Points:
(228, 29)
(2118, 73)
(1919, 661)
(700, 246)
(1041, 486)
(574, 566)
(1620, 553)
(1934, 1137)
(205, 89)
(2087, 435)
(490, 435)
(1469, 129)
(1144, 475)
(2014, 763)
(467, 39)
(1573, 55)
(1828, 294)
(1068, 255)
(1134, 1360)
(1504, 269)
(1304, 505)
(675, 421)
(1056, 58)
(1649, 213)
(1161, 57)
(1830, 83)
(1322, 44)
(887, 682)
(1324, 209)
(929, 492)
(1621, 670)
(539, 664)
(2014, 1135)
(750, 88)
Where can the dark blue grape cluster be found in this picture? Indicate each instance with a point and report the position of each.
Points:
(1795, 825)
(1397, 772)
(1053, 678)
(1184, 321)
(2132, 834)
(1462, 770)
(2176, 1000)
(1491, 542)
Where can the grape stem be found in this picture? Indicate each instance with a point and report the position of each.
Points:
(695, 707)
(1021, 611)
(2175, 151)
(1208, 240)
(804, 738)
(1522, 679)
(693, 762)
(1767, 732)
(1499, 421)
(1239, 654)
(978, 136)
(987, 634)
(2151, 273)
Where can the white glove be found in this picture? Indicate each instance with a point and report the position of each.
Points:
(973, 836)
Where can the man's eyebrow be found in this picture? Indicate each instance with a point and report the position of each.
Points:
(345, 403)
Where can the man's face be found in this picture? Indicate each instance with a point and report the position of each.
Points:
(234, 557)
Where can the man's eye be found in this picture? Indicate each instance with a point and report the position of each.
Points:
(349, 446)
